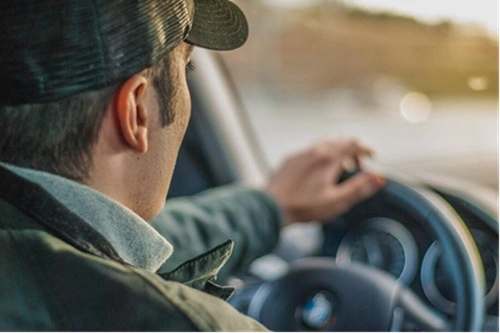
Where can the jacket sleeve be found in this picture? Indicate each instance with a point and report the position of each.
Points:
(196, 224)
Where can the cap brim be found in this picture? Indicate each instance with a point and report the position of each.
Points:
(217, 25)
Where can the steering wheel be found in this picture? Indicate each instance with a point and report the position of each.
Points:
(317, 294)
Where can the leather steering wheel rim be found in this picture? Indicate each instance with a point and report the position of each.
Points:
(458, 249)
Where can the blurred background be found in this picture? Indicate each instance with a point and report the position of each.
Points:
(416, 79)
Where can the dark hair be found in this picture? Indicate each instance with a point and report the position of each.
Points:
(58, 137)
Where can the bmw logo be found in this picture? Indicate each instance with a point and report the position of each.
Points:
(317, 311)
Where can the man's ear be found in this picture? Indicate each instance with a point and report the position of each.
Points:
(132, 113)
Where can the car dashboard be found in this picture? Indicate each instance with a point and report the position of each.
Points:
(394, 242)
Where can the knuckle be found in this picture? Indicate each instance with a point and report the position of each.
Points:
(351, 143)
(320, 154)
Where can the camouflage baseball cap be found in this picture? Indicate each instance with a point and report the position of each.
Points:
(53, 49)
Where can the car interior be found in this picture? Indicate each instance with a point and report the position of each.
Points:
(414, 257)
(420, 255)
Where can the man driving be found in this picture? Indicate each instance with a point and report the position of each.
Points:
(93, 108)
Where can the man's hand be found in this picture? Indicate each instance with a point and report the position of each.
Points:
(306, 185)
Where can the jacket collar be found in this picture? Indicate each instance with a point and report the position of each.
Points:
(201, 271)
(36, 202)
(132, 238)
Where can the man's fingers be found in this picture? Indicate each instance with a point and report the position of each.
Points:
(305, 186)
(348, 147)
(355, 189)
(347, 151)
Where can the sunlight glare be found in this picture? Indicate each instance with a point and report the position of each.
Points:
(483, 13)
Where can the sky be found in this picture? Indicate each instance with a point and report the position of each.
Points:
(480, 12)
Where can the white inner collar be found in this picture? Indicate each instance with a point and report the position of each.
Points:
(134, 239)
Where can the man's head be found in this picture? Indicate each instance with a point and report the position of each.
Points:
(58, 137)
(96, 91)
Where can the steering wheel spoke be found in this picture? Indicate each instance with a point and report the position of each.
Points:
(411, 314)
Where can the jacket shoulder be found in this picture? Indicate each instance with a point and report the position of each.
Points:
(71, 290)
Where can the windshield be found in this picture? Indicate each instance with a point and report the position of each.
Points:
(416, 80)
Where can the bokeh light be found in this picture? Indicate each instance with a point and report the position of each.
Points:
(478, 83)
(415, 107)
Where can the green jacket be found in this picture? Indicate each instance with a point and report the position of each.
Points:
(201, 222)
(58, 273)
